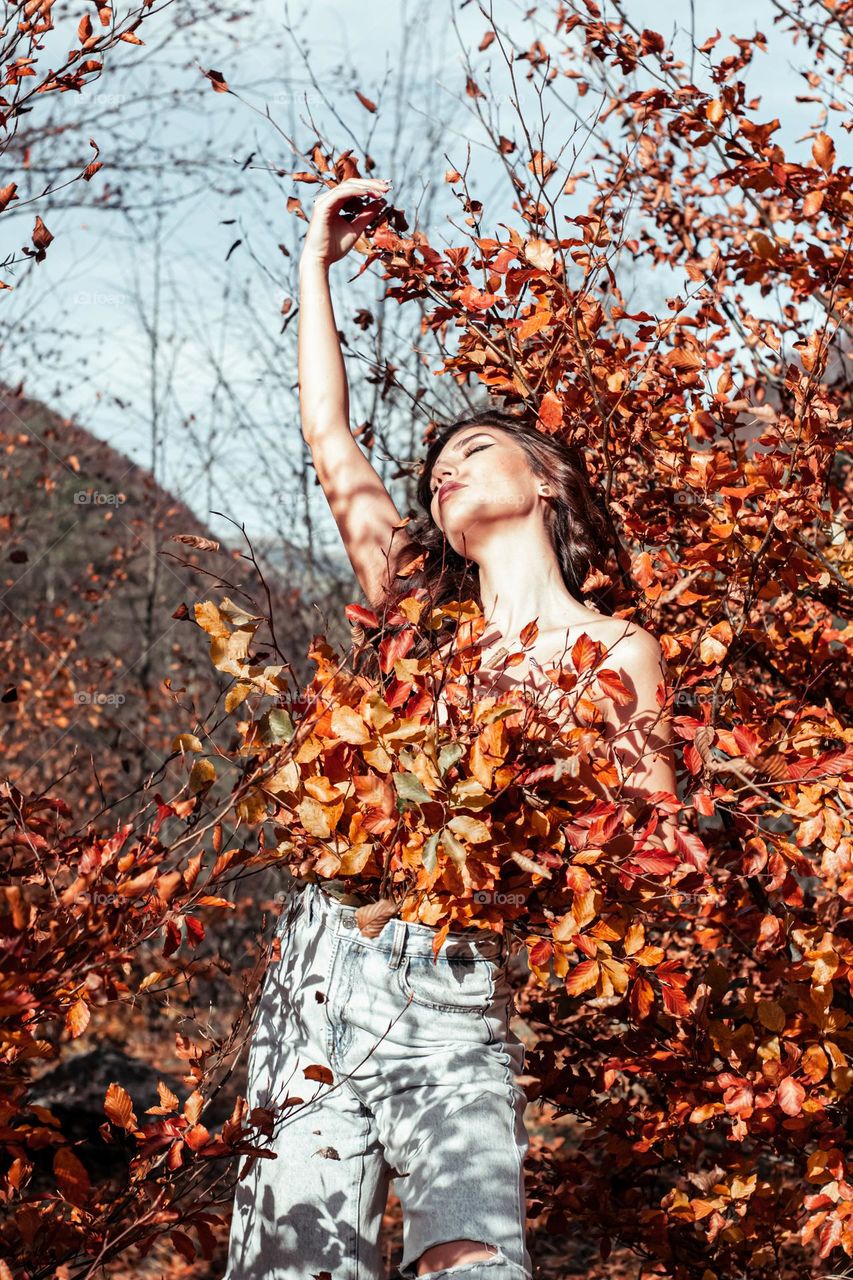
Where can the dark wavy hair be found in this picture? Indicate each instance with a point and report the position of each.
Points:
(576, 521)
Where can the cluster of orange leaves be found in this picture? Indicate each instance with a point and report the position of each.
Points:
(507, 816)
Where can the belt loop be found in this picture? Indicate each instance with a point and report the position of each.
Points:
(399, 943)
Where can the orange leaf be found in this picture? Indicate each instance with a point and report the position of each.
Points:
(642, 998)
(529, 633)
(642, 570)
(612, 685)
(551, 412)
(395, 646)
(318, 1072)
(823, 150)
(365, 102)
(683, 358)
(473, 299)
(41, 236)
(539, 320)
(585, 653)
(118, 1107)
(813, 203)
(582, 977)
(77, 1018)
(71, 1176)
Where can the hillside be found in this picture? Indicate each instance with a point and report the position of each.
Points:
(97, 610)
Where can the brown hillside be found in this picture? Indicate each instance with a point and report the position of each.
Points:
(90, 585)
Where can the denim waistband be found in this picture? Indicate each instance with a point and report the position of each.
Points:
(416, 938)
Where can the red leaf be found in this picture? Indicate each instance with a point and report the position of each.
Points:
(395, 646)
(365, 617)
(218, 81)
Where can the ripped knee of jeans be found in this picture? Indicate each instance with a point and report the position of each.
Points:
(462, 1269)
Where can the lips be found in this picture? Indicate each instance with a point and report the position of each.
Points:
(448, 487)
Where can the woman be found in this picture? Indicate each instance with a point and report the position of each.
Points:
(418, 1059)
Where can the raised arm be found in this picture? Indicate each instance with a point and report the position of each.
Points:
(361, 505)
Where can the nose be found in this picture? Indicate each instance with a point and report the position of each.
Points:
(441, 473)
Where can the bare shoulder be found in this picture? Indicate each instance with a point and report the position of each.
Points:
(630, 642)
(625, 639)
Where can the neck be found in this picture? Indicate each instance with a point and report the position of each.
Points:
(520, 581)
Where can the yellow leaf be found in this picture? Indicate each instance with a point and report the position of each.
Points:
(348, 726)
(539, 253)
(471, 829)
(284, 779)
(209, 618)
(314, 819)
(235, 695)
(322, 789)
(187, 742)
(453, 847)
(202, 774)
(252, 808)
(354, 859)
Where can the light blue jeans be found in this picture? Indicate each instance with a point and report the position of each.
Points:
(423, 1092)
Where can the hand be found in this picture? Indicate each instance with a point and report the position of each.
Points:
(331, 235)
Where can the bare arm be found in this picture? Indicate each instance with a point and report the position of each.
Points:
(361, 505)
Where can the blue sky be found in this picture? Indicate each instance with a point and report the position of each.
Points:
(215, 309)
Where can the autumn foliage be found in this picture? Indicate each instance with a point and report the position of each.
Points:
(693, 1014)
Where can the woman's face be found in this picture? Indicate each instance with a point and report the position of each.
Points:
(496, 483)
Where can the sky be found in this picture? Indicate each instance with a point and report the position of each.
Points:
(151, 329)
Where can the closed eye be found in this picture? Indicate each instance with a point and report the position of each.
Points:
(467, 455)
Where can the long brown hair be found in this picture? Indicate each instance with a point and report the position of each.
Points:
(576, 521)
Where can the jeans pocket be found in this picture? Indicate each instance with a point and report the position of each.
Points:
(453, 984)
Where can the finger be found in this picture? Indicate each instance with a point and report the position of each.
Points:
(357, 184)
(352, 186)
